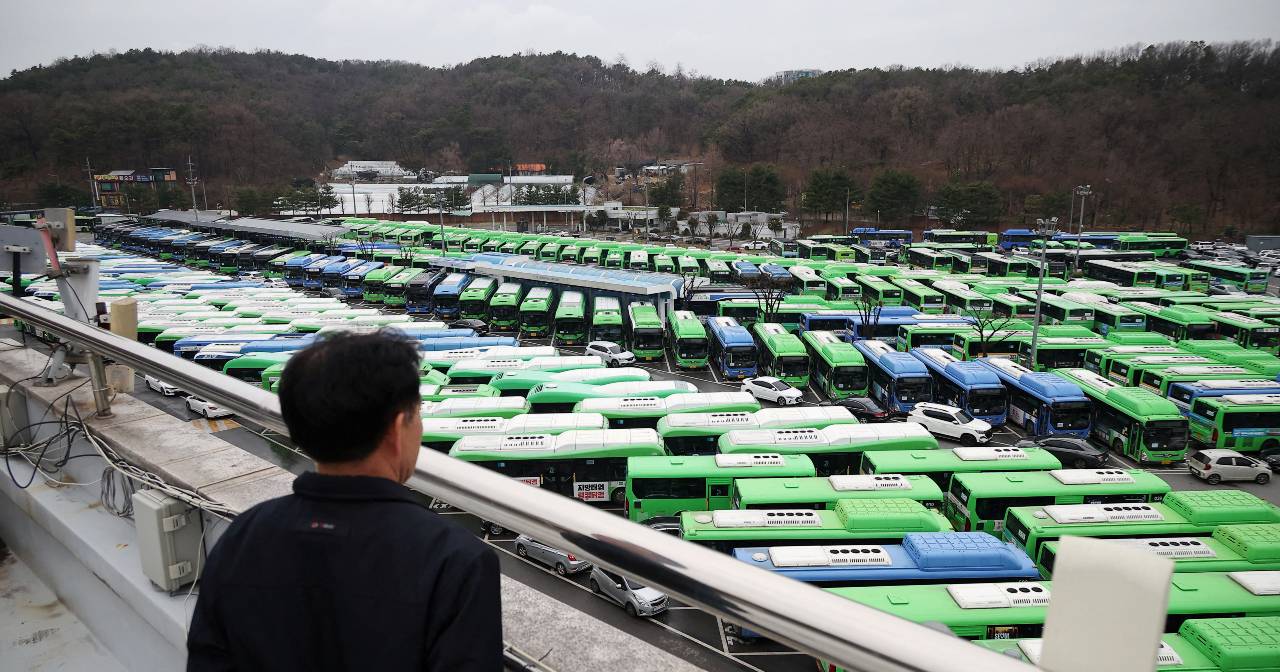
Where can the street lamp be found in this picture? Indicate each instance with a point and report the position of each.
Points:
(1046, 228)
(1083, 192)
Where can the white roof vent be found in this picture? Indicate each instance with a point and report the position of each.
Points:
(989, 453)
(1091, 476)
(1174, 548)
(1101, 513)
(865, 482)
(766, 518)
(1259, 582)
(999, 595)
(750, 460)
(829, 556)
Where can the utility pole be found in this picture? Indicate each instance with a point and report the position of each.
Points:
(1084, 192)
(93, 184)
(1046, 228)
(353, 193)
(846, 211)
(191, 182)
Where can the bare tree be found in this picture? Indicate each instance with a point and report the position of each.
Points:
(688, 282)
(768, 292)
(868, 311)
(991, 328)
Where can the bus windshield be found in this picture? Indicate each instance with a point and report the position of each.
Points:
(652, 339)
(1199, 331)
(794, 365)
(914, 389)
(536, 318)
(850, 378)
(1071, 415)
(1262, 339)
(692, 348)
(987, 401)
(1167, 435)
(735, 356)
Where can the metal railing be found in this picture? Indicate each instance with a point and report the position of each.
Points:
(816, 622)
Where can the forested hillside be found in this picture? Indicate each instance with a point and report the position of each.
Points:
(1182, 134)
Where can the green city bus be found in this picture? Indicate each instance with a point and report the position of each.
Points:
(1012, 306)
(941, 465)
(1184, 513)
(1241, 277)
(473, 303)
(1176, 322)
(687, 340)
(535, 312)
(667, 486)
(928, 334)
(1138, 338)
(1192, 596)
(1057, 352)
(978, 501)
(920, 296)
(1159, 380)
(835, 449)
(1129, 372)
(880, 292)
(590, 465)
(606, 319)
(836, 369)
(394, 289)
(645, 333)
(476, 407)
(1231, 548)
(867, 521)
(1232, 354)
(1240, 422)
(1006, 343)
(1112, 317)
(1132, 421)
(1159, 245)
(1057, 310)
(823, 492)
(699, 433)
(374, 280)
(592, 256)
(504, 307)
(929, 259)
(687, 266)
(840, 288)
(570, 325)
(1248, 332)
(782, 354)
(966, 301)
(1099, 360)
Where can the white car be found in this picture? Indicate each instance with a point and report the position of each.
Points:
(951, 422)
(611, 353)
(756, 245)
(1216, 465)
(160, 387)
(772, 389)
(636, 598)
(206, 408)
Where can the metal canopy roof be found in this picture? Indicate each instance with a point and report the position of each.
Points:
(270, 227)
(205, 217)
(600, 279)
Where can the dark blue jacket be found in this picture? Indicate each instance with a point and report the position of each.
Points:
(347, 573)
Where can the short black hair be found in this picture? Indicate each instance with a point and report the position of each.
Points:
(340, 396)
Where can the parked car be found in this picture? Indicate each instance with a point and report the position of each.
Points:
(1216, 465)
(756, 245)
(478, 325)
(159, 386)
(207, 408)
(1272, 458)
(772, 389)
(951, 422)
(1070, 451)
(611, 353)
(563, 562)
(637, 599)
(864, 409)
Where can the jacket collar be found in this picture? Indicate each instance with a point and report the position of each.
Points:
(351, 488)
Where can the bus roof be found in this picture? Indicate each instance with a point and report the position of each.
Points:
(721, 466)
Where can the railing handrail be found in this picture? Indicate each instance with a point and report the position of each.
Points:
(814, 621)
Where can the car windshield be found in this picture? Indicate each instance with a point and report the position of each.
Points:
(613, 349)
(964, 417)
(780, 385)
(633, 585)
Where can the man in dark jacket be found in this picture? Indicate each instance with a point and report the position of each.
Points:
(351, 571)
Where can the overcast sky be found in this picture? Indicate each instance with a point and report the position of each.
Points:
(743, 39)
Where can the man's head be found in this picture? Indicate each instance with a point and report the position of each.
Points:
(350, 399)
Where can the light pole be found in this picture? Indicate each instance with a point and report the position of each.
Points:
(1083, 192)
(1047, 227)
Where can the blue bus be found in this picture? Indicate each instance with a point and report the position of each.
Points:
(732, 349)
(968, 385)
(1011, 238)
(1184, 394)
(1042, 404)
(293, 268)
(779, 274)
(434, 344)
(310, 277)
(353, 280)
(898, 380)
(333, 274)
(444, 300)
(922, 557)
(744, 270)
(887, 320)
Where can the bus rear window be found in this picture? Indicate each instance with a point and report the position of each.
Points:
(960, 492)
(994, 508)
(1251, 420)
(1203, 409)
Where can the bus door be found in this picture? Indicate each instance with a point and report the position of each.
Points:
(718, 494)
